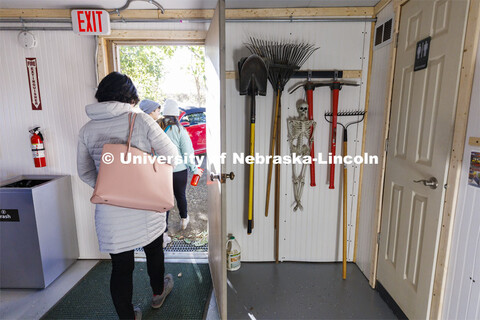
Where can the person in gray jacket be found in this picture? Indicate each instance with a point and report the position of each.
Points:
(121, 230)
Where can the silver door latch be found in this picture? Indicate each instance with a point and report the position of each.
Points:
(432, 182)
(223, 177)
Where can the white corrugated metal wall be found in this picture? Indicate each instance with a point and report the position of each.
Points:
(66, 70)
(373, 144)
(67, 84)
(314, 234)
(462, 292)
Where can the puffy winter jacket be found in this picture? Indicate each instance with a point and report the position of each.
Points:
(182, 141)
(120, 229)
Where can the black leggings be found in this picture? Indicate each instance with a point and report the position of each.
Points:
(121, 281)
(179, 187)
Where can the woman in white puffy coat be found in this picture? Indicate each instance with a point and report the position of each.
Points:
(121, 230)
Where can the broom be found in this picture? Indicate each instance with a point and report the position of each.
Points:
(282, 59)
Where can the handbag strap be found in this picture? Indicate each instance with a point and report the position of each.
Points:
(131, 121)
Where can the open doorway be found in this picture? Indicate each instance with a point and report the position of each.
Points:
(176, 71)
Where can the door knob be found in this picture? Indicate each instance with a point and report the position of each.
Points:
(432, 182)
(223, 177)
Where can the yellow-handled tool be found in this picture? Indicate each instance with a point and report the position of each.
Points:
(251, 168)
(253, 81)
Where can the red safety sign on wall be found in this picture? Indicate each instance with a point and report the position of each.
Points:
(90, 21)
(33, 83)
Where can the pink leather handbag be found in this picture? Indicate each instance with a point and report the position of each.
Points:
(143, 186)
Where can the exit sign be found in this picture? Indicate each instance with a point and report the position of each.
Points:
(90, 21)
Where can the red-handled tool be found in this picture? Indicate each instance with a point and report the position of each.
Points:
(309, 86)
(335, 86)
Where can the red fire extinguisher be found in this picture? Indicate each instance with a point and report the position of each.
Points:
(38, 149)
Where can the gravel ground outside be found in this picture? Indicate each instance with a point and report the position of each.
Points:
(196, 230)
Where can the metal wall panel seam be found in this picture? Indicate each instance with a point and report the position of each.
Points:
(473, 286)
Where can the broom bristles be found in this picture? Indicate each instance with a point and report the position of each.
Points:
(282, 58)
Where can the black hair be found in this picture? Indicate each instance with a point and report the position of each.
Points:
(117, 87)
(169, 121)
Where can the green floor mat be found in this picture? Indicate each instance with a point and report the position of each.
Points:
(90, 298)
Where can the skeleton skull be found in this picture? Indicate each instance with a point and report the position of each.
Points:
(302, 109)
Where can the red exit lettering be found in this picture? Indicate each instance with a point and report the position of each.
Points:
(87, 22)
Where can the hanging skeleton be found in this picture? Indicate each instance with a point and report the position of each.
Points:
(300, 137)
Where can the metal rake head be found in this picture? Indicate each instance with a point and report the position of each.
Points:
(346, 114)
(282, 58)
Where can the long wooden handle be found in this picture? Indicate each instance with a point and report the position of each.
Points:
(272, 150)
(344, 206)
(277, 186)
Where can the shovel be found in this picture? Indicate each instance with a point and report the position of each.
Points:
(253, 81)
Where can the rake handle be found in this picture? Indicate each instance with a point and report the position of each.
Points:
(277, 187)
(333, 144)
(344, 262)
(312, 149)
(272, 150)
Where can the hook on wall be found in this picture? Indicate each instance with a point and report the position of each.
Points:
(127, 4)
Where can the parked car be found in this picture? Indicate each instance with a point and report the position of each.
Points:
(194, 120)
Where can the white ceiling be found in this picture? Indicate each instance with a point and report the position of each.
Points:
(184, 4)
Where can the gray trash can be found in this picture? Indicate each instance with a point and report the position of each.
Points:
(38, 236)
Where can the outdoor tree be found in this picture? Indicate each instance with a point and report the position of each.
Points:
(197, 69)
(145, 66)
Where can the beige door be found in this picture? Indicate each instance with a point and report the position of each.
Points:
(420, 138)
(215, 74)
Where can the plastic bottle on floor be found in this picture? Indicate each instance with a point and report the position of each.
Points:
(233, 254)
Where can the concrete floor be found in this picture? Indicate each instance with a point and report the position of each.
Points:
(293, 290)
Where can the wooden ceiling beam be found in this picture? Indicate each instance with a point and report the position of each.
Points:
(201, 14)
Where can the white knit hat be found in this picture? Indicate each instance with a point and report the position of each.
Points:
(170, 108)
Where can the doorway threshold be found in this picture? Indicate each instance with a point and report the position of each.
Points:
(186, 257)
(178, 257)
(179, 254)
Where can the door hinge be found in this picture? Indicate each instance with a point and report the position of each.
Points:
(378, 238)
(386, 146)
(396, 40)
